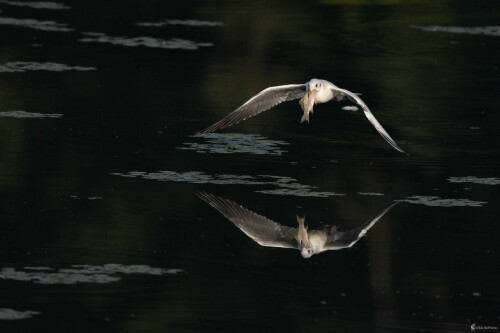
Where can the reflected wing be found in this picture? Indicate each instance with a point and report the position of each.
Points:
(355, 98)
(349, 238)
(263, 101)
(262, 230)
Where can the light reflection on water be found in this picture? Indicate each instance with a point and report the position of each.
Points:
(36, 5)
(440, 202)
(475, 180)
(23, 66)
(175, 43)
(488, 30)
(24, 114)
(285, 185)
(35, 24)
(80, 273)
(189, 23)
(11, 314)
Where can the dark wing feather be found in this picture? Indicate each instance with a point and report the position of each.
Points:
(263, 101)
(355, 98)
(349, 238)
(262, 230)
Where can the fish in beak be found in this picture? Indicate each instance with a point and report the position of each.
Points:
(304, 243)
(302, 236)
(307, 104)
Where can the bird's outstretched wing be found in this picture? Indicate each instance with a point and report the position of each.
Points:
(349, 238)
(355, 98)
(262, 230)
(263, 101)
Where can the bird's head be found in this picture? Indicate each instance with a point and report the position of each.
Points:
(306, 249)
(306, 252)
(302, 238)
(313, 86)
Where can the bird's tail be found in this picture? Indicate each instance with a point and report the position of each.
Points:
(305, 117)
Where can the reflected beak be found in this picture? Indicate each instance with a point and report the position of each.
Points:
(304, 242)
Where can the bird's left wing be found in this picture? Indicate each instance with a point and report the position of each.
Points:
(263, 101)
(259, 228)
(355, 98)
(349, 238)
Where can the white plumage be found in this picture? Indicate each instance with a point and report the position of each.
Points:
(321, 91)
(268, 233)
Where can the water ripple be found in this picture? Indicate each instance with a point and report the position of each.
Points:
(475, 180)
(35, 24)
(350, 108)
(191, 23)
(24, 114)
(11, 314)
(80, 273)
(174, 43)
(487, 30)
(302, 191)
(229, 143)
(283, 185)
(23, 66)
(439, 202)
(36, 5)
(371, 193)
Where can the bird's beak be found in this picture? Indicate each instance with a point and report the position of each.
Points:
(312, 92)
(305, 244)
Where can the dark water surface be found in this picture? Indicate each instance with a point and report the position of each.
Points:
(101, 229)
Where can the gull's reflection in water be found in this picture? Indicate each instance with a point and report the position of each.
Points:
(269, 233)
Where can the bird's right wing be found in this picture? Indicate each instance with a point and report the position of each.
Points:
(262, 230)
(263, 101)
(371, 118)
(349, 238)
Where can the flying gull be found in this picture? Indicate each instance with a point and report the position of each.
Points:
(313, 92)
(271, 234)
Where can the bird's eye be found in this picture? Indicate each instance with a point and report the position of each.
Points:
(316, 85)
